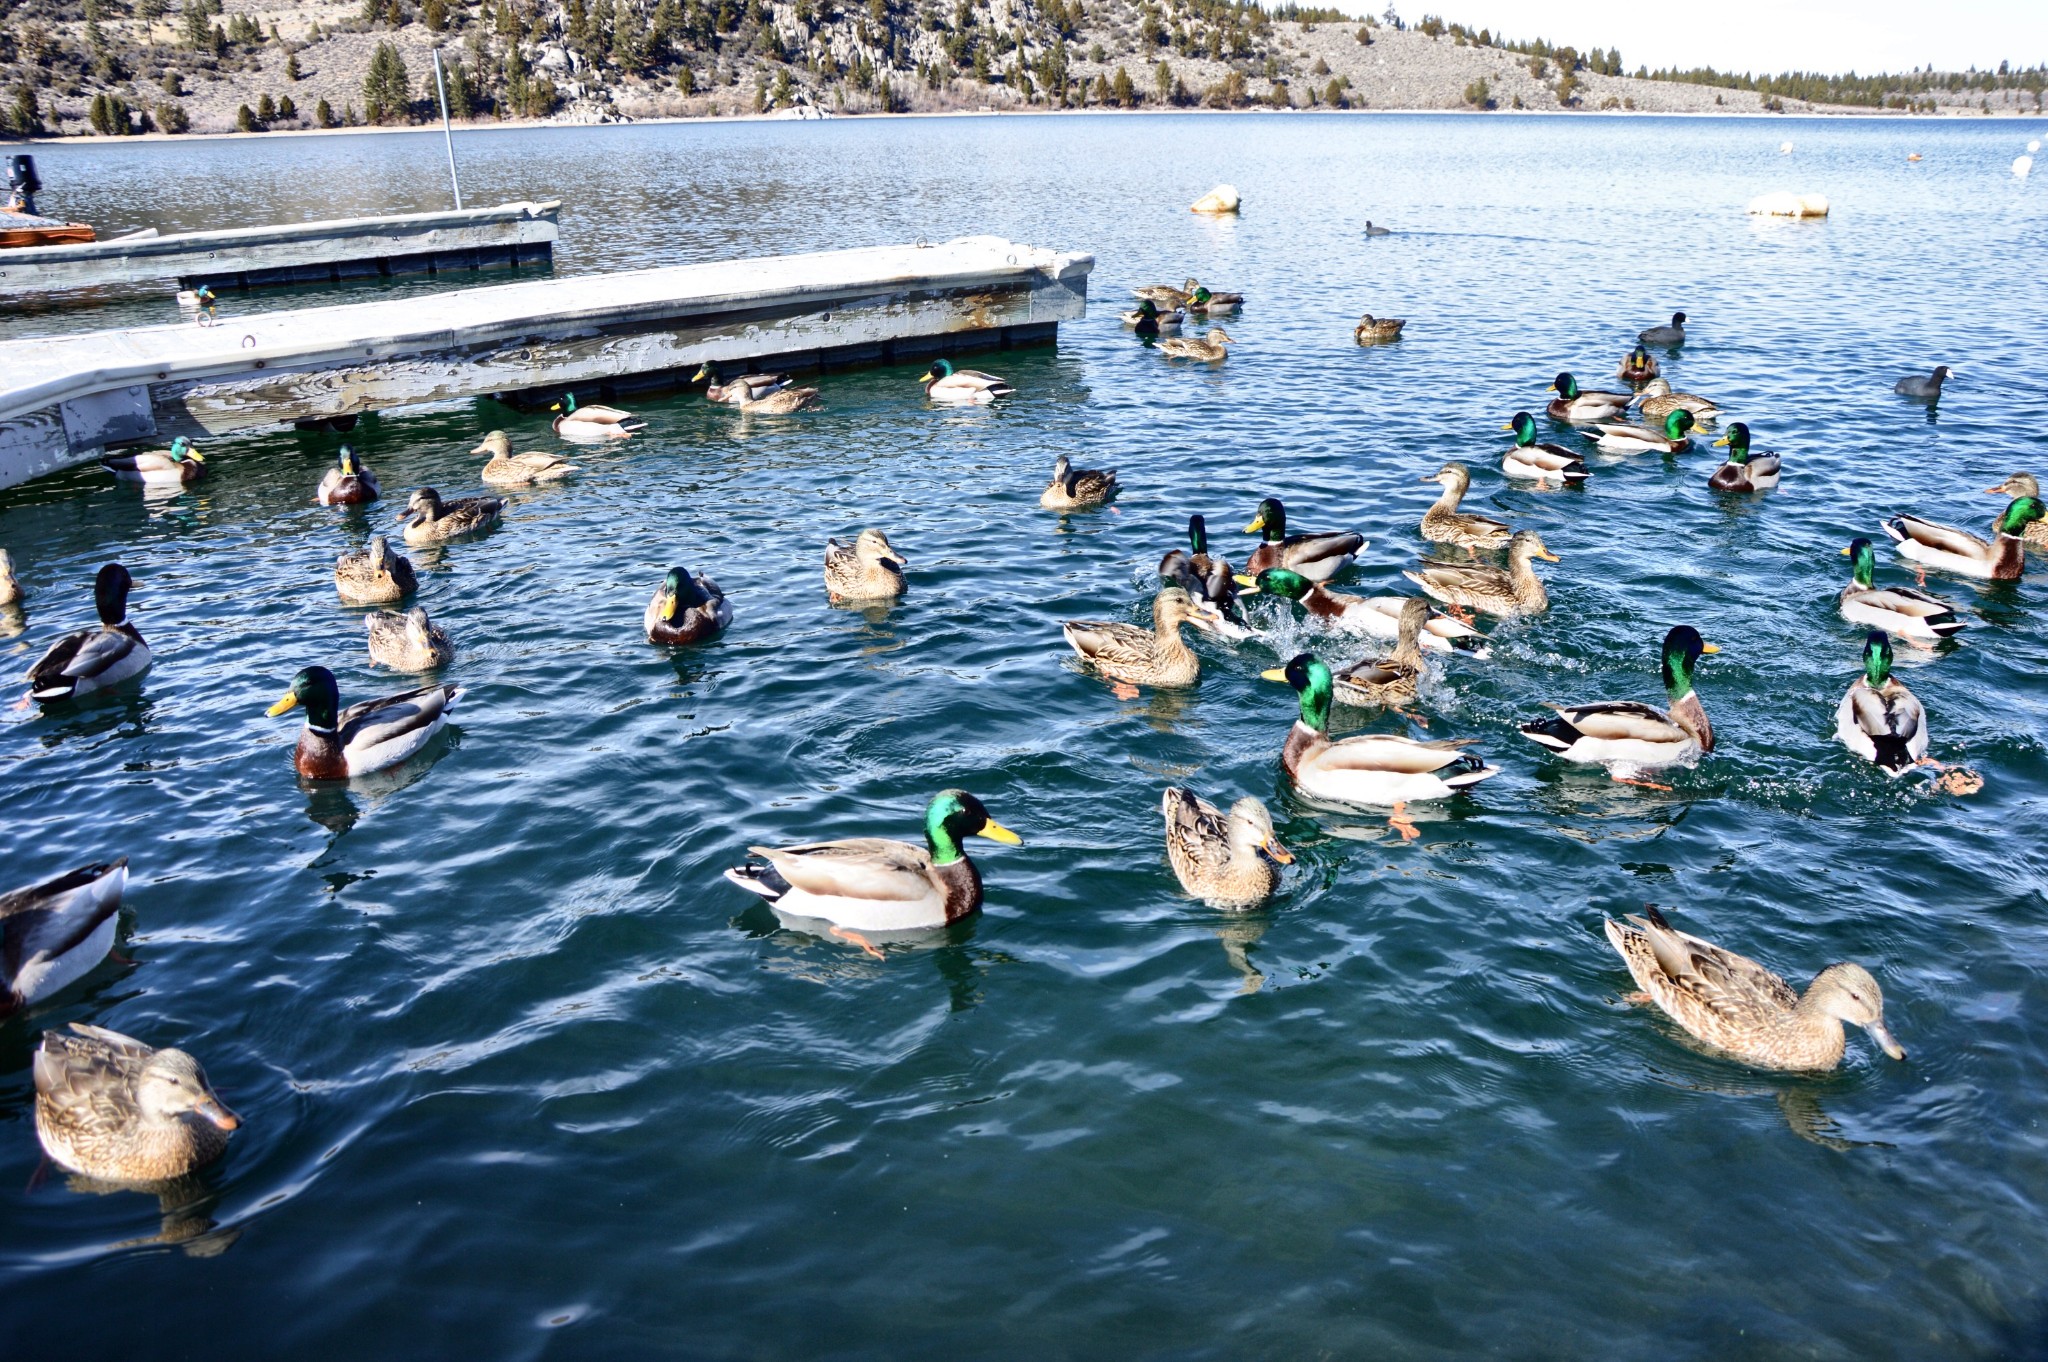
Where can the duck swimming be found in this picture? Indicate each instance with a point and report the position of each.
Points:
(1656, 401)
(507, 469)
(1517, 591)
(1318, 557)
(1392, 681)
(1879, 719)
(373, 735)
(1372, 330)
(54, 933)
(868, 569)
(1669, 436)
(1918, 618)
(430, 520)
(1227, 861)
(747, 388)
(1373, 616)
(376, 576)
(93, 660)
(1952, 550)
(686, 609)
(1209, 349)
(179, 464)
(1156, 657)
(961, 387)
(112, 1108)
(1077, 489)
(1583, 408)
(1744, 471)
(1535, 462)
(408, 643)
(1623, 735)
(1637, 366)
(349, 483)
(1674, 334)
(595, 424)
(2018, 485)
(1444, 523)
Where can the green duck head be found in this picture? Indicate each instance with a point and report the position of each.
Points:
(680, 592)
(952, 817)
(1565, 386)
(1279, 582)
(1198, 535)
(1270, 518)
(2023, 512)
(1148, 309)
(1862, 560)
(941, 368)
(567, 406)
(1524, 427)
(315, 689)
(1310, 678)
(1877, 657)
(1202, 295)
(1639, 358)
(1682, 649)
(707, 372)
(181, 450)
(1737, 440)
(345, 460)
(110, 593)
(1676, 423)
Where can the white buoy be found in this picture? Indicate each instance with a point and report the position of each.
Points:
(1784, 148)
(2022, 166)
(1221, 199)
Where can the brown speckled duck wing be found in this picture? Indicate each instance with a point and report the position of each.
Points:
(89, 1075)
(1101, 641)
(1197, 829)
(1737, 991)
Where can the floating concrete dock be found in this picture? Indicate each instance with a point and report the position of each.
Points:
(64, 399)
(511, 234)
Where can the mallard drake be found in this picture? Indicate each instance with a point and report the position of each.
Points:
(430, 520)
(1373, 330)
(735, 391)
(1318, 557)
(92, 660)
(2018, 485)
(349, 483)
(1206, 578)
(1656, 401)
(1164, 295)
(1373, 769)
(1574, 404)
(868, 569)
(686, 609)
(1669, 437)
(376, 576)
(1444, 523)
(408, 643)
(54, 933)
(593, 425)
(1375, 616)
(1147, 320)
(1392, 681)
(1623, 735)
(10, 589)
(373, 735)
(961, 387)
(1918, 618)
(1739, 1007)
(1952, 550)
(1076, 489)
(1209, 349)
(181, 463)
(783, 402)
(507, 469)
(1879, 719)
(1673, 334)
(1156, 657)
(1744, 471)
(1638, 367)
(1539, 462)
(1517, 591)
(871, 884)
(1211, 303)
(1226, 861)
(1927, 389)
(111, 1108)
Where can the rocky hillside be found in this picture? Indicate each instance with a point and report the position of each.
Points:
(112, 67)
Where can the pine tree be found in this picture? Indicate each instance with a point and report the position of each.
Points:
(287, 109)
(291, 66)
(266, 108)
(387, 89)
(323, 114)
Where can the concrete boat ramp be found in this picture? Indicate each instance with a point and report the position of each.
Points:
(65, 399)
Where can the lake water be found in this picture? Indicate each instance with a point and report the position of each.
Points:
(521, 1076)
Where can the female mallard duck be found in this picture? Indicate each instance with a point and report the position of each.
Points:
(1212, 304)
(374, 735)
(1373, 330)
(1075, 489)
(1673, 334)
(92, 660)
(1918, 618)
(1952, 550)
(1744, 471)
(1392, 681)
(1208, 350)
(783, 402)
(507, 469)
(111, 1108)
(1539, 462)
(961, 387)
(1581, 407)
(868, 569)
(430, 520)
(1226, 861)
(349, 483)
(1656, 401)
(1444, 523)
(686, 609)
(1517, 591)
(408, 643)
(871, 884)
(1164, 295)
(1668, 438)
(1739, 1007)
(1637, 367)
(593, 425)
(1155, 657)
(736, 391)
(1374, 769)
(2018, 485)
(376, 576)
(1625, 736)
(52, 934)
(1148, 321)
(1318, 557)
(181, 463)
(1879, 719)
(1375, 616)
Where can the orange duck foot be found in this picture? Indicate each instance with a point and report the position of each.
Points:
(848, 934)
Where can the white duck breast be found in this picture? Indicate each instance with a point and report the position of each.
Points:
(1883, 724)
(52, 934)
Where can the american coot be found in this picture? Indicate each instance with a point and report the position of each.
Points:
(1673, 334)
(1912, 385)
(1371, 230)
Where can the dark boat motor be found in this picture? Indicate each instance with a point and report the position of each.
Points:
(23, 184)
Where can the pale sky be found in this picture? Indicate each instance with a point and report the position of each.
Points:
(1766, 35)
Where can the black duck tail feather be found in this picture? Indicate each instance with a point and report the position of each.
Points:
(764, 880)
(1890, 751)
(1558, 734)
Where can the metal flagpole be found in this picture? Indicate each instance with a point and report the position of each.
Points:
(441, 89)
